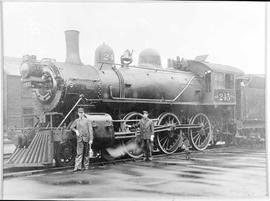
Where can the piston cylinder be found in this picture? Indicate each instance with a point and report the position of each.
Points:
(102, 129)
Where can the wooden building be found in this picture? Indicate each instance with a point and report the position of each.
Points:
(18, 107)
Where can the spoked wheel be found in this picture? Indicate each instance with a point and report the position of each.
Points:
(134, 145)
(65, 154)
(169, 141)
(200, 138)
(131, 125)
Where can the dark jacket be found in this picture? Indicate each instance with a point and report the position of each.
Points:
(84, 126)
(146, 128)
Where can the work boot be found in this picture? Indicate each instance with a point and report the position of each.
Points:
(187, 155)
(147, 159)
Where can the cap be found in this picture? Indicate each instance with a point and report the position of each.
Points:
(145, 112)
(80, 109)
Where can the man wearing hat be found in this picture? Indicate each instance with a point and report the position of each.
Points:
(84, 131)
(147, 132)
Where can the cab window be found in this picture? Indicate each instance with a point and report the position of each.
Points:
(229, 81)
(219, 80)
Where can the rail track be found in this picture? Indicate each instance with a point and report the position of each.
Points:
(6, 156)
(15, 172)
(27, 171)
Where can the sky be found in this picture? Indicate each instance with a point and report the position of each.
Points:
(231, 33)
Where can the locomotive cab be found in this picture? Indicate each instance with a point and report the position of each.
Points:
(219, 81)
(219, 97)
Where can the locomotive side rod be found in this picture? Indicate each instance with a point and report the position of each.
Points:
(157, 129)
(131, 120)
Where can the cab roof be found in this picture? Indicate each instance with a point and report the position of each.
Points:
(200, 67)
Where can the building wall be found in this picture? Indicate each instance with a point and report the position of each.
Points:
(18, 104)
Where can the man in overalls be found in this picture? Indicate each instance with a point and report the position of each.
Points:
(84, 131)
(147, 132)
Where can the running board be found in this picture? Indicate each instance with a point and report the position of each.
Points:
(38, 153)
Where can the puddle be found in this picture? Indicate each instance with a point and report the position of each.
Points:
(165, 163)
(190, 176)
(147, 181)
(195, 172)
(204, 183)
(128, 171)
(72, 182)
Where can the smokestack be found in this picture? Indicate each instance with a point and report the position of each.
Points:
(72, 45)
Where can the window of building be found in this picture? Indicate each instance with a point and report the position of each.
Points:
(229, 81)
(28, 119)
(26, 92)
(219, 81)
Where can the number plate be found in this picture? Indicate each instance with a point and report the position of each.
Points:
(225, 96)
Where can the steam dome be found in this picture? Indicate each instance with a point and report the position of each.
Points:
(150, 56)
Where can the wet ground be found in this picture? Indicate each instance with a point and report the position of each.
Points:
(224, 172)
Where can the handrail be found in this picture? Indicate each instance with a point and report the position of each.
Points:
(81, 97)
(121, 82)
(147, 68)
(187, 85)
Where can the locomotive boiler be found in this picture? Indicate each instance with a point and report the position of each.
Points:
(188, 100)
(57, 86)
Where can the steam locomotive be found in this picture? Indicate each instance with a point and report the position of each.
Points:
(190, 100)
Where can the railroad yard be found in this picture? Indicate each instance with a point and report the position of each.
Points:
(223, 172)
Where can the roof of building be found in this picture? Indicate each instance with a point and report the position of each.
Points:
(12, 65)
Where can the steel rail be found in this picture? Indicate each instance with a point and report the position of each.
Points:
(156, 155)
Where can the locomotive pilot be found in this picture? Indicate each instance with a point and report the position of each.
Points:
(84, 132)
(147, 132)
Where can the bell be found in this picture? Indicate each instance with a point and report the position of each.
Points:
(126, 58)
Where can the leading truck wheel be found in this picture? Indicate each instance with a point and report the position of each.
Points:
(200, 137)
(169, 141)
(65, 154)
